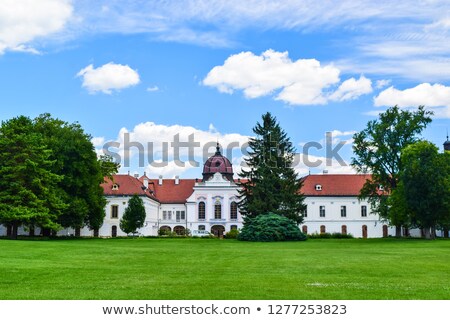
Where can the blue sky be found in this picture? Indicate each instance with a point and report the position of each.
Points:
(155, 69)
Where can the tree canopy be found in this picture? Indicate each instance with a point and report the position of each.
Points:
(50, 166)
(377, 150)
(426, 186)
(271, 184)
(134, 215)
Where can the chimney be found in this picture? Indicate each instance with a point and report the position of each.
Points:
(160, 180)
(177, 179)
(145, 182)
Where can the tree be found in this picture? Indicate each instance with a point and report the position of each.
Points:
(271, 184)
(134, 216)
(426, 180)
(28, 187)
(76, 161)
(270, 227)
(377, 151)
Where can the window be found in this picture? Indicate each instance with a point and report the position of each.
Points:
(344, 229)
(318, 187)
(363, 211)
(115, 186)
(343, 211)
(114, 212)
(233, 227)
(180, 215)
(305, 229)
(164, 215)
(322, 229)
(217, 210)
(201, 227)
(322, 211)
(233, 211)
(169, 215)
(305, 214)
(201, 211)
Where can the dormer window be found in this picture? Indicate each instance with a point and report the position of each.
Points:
(380, 187)
(318, 187)
(115, 186)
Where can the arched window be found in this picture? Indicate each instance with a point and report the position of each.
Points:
(201, 211)
(114, 231)
(217, 210)
(322, 229)
(233, 210)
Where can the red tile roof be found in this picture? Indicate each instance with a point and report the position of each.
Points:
(127, 186)
(169, 192)
(334, 184)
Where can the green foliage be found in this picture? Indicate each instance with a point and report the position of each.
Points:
(426, 180)
(28, 186)
(326, 235)
(134, 215)
(76, 161)
(271, 184)
(377, 151)
(232, 234)
(270, 227)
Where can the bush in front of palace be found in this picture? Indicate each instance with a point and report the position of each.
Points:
(270, 227)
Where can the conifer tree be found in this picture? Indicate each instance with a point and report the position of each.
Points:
(134, 216)
(270, 184)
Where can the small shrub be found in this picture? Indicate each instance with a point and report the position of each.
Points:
(270, 227)
(326, 235)
(232, 234)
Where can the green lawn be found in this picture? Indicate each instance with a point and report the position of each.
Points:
(224, 269)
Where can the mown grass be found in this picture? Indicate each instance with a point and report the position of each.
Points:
(224, 269)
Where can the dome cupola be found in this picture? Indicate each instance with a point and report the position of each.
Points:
(217, 163)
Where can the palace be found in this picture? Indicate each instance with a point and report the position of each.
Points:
(210, 204)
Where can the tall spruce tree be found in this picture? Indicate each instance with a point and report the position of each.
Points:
(134, 215)
(271, 184)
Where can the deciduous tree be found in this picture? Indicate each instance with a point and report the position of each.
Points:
(377, 151)
(134, 215)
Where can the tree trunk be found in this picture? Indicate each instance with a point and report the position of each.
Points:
(77, 232)
(45, 232)
(14, 229)
(398, 231)
(427, 233)
(445, 232)
(96, 233)
(433, 232)
(31, 232)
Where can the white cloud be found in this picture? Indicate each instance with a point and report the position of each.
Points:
(153, 89)
(299, 82)
(108, 77)
(382, 83)
(162, 138)
(435, 97)
(351, 89)
(22, 21)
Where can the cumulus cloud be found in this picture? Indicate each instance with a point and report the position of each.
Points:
(158, 144)
(298, 82)
(108, 77)
(351, 89)
(22, 21)
(435, 97)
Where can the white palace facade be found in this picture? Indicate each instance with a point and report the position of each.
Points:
(210, 204)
